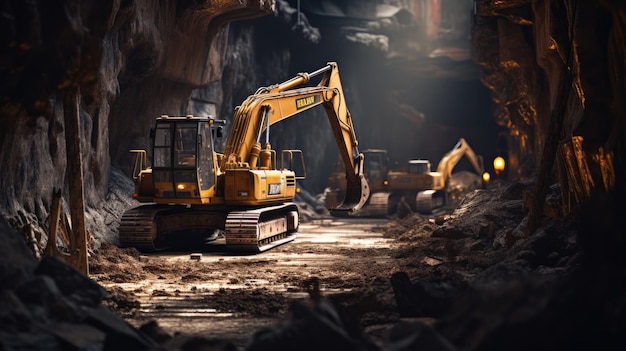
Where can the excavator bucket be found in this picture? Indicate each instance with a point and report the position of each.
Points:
(357, 194)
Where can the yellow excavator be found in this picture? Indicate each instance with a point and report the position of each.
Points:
(375, 170)
(425, 191)
(246, 193)
(415, 185)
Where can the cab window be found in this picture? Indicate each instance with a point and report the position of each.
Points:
(185, 151)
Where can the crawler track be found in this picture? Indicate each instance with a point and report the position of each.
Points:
(261, 229)
(138, 228)
(151, 228)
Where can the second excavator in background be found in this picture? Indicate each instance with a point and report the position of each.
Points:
(244, 193)
(415, 185)
(375, 169)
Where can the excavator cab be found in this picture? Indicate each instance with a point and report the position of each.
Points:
(419, 166)
(375, 168)
(183, 162)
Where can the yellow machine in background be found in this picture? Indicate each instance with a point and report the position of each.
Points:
(424, 191)
(375, 170)
(246, 192)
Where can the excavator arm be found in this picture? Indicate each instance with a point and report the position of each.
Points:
(272, 104)
(450, 159)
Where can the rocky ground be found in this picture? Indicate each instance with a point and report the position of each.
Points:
(469, 280)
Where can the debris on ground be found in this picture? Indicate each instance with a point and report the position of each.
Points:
(468, 280)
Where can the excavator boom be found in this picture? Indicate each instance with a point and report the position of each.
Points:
(272, 104)
(452, 157)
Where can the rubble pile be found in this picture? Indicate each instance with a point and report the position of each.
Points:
(48, 305)
(489, 287)
(492, 287)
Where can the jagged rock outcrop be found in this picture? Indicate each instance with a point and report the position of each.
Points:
(555, 71)
(49, 305)
(130, 61)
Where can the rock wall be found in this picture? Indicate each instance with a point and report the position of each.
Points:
(555, 70)
(130, 61)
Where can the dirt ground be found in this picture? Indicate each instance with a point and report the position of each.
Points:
(378, 274)
(229, 297)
